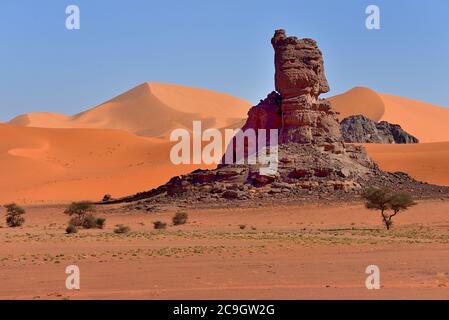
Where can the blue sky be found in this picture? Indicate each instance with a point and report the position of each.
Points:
(217, 44)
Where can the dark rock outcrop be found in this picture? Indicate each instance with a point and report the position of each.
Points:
(361, 129)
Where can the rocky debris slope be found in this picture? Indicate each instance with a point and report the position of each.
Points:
(312, 159)
(361, 129)
(229, 191)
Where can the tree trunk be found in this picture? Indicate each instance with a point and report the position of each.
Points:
(385, 220)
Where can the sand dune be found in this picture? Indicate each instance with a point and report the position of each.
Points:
(425, 121)
(150, 109)
(80, 157)
(154, 110)
(61, 165)
(426, 162)
(359, 101)
(57, 165)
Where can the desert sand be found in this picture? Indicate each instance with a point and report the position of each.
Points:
(423, 120)
(47, 157)
(40, 165)
(152, 110)
(284, 252)
(425, 161)
(359, 100)
(62, 165)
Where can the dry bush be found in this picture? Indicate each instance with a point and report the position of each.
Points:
(180, 218)
(159, 225)
(14, 215)
(120, 229)
(71, 229)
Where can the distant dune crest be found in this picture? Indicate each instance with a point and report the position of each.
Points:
(425, 121)
(150, 109)
(155, 109)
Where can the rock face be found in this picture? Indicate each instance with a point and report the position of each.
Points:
(361, 129)
(266, 115)
(312, 158)
(299, 66)
(300, 79)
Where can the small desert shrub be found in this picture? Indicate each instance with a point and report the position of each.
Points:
(71, 229)
(180, 218)
(89, 222)
(14, 215)
(384, 199)
(100, 222)
(242, 226)
(120, 228)
(158, 225)
(75, 221)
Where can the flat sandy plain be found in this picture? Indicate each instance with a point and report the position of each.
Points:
(289, 252)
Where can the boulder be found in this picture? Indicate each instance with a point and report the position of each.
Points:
(360, 129)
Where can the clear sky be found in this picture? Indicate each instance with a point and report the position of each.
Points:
(222, 45)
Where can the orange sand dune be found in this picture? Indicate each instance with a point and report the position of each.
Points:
(359, 101)
(150, 109)
(427, 122)
(426, 162)
(40, 164)
(154, 110)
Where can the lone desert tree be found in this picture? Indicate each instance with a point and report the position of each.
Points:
(80, 210)
(384, 199)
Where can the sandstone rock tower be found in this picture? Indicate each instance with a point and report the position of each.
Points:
(300, 79)
(295, 108)
(312, 158)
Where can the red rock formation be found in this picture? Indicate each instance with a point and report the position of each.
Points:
(300, 79)
(299, 66)
(266, 115)
(312, 157)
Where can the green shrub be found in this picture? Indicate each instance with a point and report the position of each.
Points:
(14, 215)
(120, 228)
(180, 218)
(159, 225)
